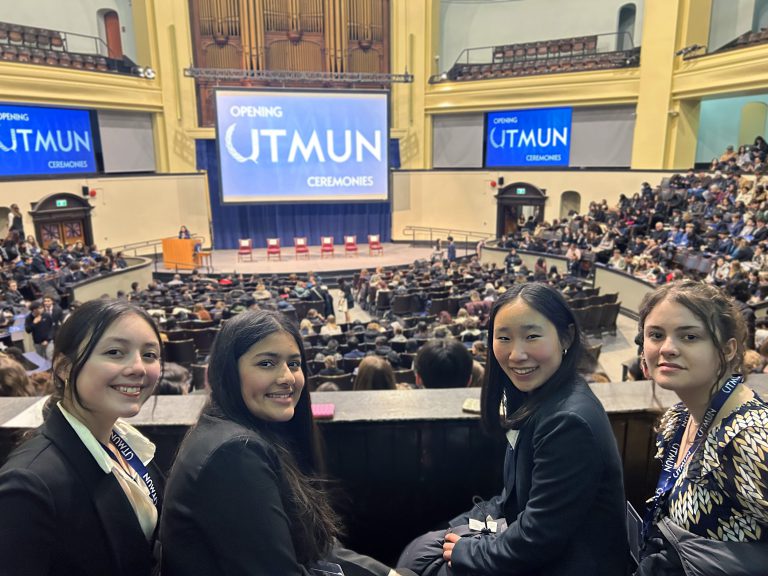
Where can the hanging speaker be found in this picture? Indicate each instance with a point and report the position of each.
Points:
(85, 191)
(501, 180)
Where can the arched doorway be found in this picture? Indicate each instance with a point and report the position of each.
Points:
(626, 28)
(570, 201)
(62, 217)
(112, 33)
(516, 201)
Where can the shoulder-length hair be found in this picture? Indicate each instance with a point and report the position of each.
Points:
(498, 388)
(78, 337)
(314, 525)
(717, 311)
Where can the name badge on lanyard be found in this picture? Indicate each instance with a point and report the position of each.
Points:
(133, 461)
(669, 472)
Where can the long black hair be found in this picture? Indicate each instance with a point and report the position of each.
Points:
(314, 525)
(498, 388)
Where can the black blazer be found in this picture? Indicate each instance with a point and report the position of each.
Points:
(563, 497)
(224, 513)
(60, 514)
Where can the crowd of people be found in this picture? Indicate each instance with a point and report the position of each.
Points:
(246, 494)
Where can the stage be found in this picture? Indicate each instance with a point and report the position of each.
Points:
(226, 261)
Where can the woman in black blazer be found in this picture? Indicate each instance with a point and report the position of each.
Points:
(244, 496)
(562, 510)
(81, 496)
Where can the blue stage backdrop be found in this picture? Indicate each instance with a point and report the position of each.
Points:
(286, 221)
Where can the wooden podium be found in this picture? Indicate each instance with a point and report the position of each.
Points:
(179, 253)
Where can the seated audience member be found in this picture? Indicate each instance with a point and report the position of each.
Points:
(330, 328)
(443, 364)
(331, 348)
(306, 328)
(478, 374)
(374, 373)
(328, 387)
(559, 435)
(176, 380)
(354, 351)
(201, 313)
(13, 379)
(330, 368)
(245, 495)
(471, 331)
(712, 491)
(479, 351)
(398, 334)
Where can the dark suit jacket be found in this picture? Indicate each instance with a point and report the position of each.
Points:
(224, 512)
(60, 514)
(563, 497)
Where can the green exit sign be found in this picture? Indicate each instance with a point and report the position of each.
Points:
(520, 191)
(61, 203)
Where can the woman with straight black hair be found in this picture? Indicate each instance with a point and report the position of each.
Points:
(245, 495)
(562, 511)
(82, 495)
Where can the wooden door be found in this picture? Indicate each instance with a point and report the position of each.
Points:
(64, 232)
(114, 39)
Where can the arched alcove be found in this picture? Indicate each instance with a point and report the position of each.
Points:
(626, 27)
(111, 33)
(570, 201)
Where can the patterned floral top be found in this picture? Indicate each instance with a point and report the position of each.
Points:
(723, 494)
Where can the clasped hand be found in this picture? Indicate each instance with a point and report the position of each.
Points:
(448, 544)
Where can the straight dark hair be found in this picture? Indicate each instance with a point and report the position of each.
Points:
(498, 388)
(314, 525)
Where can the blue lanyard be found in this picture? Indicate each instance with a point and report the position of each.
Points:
(670, 473)
(133, 461)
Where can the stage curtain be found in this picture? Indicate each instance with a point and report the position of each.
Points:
(285, 221)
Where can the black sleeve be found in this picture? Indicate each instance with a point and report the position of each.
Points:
(27, 524)
(567, 461)
(241, 512)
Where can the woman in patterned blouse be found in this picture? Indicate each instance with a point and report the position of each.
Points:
(712, 445)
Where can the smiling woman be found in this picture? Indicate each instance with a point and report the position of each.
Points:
(245, 494)
(82, 496)
(562, 509)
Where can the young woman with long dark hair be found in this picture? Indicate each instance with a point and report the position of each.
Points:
(246, 494)
(563, 500)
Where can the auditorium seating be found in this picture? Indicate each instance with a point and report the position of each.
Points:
(29, 45)
(546, 57)
(597, 319)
